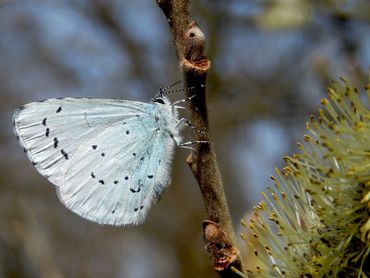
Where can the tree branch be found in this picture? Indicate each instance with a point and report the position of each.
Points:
(189, 42)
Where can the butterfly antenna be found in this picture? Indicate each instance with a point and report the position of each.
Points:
(172, 85)
(164, 91)
(182, 90)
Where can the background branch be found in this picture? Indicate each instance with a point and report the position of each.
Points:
(190, 49)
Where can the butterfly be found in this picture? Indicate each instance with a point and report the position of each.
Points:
(109, 159)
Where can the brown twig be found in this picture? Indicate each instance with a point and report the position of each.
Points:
(190, 49)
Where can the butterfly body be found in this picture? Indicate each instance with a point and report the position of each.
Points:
(109, 159)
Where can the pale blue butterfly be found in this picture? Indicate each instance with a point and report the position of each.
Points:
(109, 159)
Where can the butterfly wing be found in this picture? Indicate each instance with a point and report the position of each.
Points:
(117, 182)
(109, 158)
(51, 131)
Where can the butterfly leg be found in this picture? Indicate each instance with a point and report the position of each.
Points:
(184, 122)
(183, 100)
(186, 145)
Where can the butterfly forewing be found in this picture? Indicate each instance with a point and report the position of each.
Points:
(51, 131)
(109, 158)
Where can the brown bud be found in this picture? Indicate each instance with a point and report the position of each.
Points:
(219, 247)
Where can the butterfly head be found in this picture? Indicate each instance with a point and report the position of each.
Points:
(160, 96)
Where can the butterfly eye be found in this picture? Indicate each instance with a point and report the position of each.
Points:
(159, 100)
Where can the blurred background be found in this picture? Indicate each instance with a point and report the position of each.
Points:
(271, 62)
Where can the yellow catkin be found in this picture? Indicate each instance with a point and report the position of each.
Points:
(319, 225)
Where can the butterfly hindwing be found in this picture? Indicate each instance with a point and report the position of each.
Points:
(117, 181)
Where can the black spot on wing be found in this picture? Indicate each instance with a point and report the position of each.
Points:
(127, 132)
(150, 176)
(47, 132)
(64, 154)
(55, 142)
(133, 154)
(102, 154)
(137, 209)
(135, 190)
(94, 147)
(92, 175)
(115, 182)
(126, 178)
(44, 121)
(101, 181)
(140, 185)
(34, 163)
(59, 109)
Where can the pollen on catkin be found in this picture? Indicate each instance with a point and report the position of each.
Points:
(315, 220)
